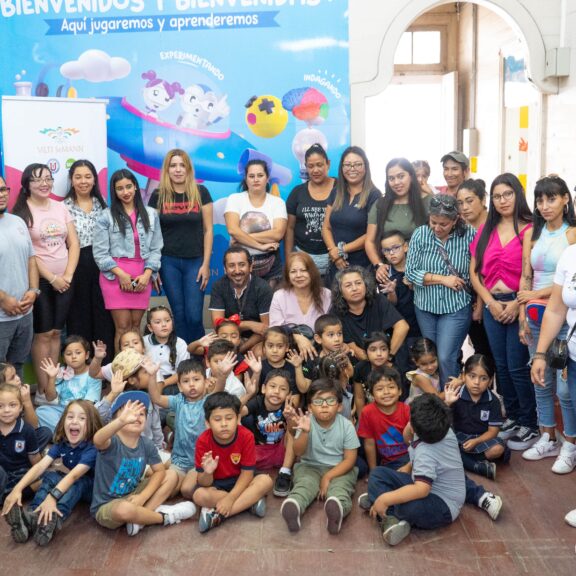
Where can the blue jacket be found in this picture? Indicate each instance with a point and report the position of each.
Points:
(109, 243)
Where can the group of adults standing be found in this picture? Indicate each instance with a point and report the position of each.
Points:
(475, 267)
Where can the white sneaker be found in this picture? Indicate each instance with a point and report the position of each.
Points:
(491, 504)
(132, 528)
(175, 513)
(544, 448)
(571, 518)
(566, 461)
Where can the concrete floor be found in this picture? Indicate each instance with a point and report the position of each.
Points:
(530, 537)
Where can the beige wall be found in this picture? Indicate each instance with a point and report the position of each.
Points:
(376, 26)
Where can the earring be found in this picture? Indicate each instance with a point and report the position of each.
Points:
(565, 208)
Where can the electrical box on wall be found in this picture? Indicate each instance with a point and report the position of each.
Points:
(470, 141)
(558, 62)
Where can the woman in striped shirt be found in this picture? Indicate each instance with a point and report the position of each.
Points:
(438, 267)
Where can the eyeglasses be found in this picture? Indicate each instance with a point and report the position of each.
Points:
(392, 249)
(504, 196)
(332, 401)
(4, 190)
(45, 180)
(352, 166)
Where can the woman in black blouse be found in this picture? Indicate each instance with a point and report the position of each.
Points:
(185, 210)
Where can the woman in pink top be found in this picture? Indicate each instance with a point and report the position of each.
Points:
(495, 271)
(301, 300)
(57, 251)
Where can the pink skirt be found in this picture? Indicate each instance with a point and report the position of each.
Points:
(115, 298)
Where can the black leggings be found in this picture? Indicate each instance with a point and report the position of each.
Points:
(51, 308)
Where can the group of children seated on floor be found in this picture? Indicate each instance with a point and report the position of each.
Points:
(322, 422)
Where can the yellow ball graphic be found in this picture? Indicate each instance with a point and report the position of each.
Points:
(265, 116)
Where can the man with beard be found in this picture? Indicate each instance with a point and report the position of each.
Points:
(18, 285)
(242, 293)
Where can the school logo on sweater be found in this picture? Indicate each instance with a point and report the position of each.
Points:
(235, 457)
(19, 446)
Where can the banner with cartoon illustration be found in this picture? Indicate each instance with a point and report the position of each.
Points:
(226, 80)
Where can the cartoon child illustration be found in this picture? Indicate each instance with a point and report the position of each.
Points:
(159, 94)
(202, 107)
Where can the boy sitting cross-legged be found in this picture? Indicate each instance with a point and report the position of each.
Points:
(120, 495)
(225, 462)
(327, 445)
(433, 495)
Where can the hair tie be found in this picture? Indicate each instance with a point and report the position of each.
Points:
(235, 318)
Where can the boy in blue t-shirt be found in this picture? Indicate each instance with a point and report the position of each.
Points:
(121, 495)
(188, 406)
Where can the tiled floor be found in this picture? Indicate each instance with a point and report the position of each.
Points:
(529, 538)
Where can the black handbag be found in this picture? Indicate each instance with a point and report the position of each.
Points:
(557, 354)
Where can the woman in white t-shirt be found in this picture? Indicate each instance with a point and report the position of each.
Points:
(561, 307)
(257, 220)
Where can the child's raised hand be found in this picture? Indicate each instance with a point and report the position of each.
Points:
(25, 393)
(227, 363)
(131, 412)
(150, 366)
(302, 421)
(117, 384)
(47, 365)
(209, 464)
(294, 358)
(207, 339)
(452, 391)
(99, 349)
(254, 363)
(251, 384)
(46, 510)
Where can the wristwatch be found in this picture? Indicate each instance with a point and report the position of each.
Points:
(56, 494)
(36, 291)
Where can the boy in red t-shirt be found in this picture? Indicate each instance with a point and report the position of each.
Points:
(383, 421)
(225, 462)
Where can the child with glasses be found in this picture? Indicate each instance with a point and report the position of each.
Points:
(327, 445)
(394, 247)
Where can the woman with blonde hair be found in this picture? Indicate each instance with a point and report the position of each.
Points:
(185, 211)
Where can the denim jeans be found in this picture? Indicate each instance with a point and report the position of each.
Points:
(425, 513)
(553, 384)
(448, 331)
(80, 490)
(184, 295)
(422, 513)
(570, 392)
(511, 358)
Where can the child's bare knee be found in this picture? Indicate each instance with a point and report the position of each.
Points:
(123, 511)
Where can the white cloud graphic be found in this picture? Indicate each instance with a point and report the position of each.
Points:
(311, 44)
(96, 66)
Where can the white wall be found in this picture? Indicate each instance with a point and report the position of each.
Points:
(376, 26)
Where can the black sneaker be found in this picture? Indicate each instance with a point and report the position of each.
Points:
(45, 532)
(523, 439)
(18, 528)
(486, 469)
(282, 485)
(508, 429)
